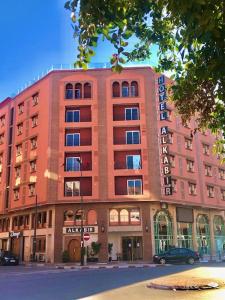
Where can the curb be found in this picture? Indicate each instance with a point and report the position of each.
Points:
(107, 267)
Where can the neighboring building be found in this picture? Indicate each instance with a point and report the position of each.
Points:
(113, 142)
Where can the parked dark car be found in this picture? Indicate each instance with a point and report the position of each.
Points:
(7, 258)
(177, 255)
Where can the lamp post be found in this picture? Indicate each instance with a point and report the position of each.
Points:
(35, 231)
(82, 219)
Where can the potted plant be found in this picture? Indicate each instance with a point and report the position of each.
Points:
(95, 249)
(65, 256)
(110, 245)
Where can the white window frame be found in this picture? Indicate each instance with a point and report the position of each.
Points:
(73, 139)
(75, 158)
(128, 180)
(72, 181)
(127, 91)
(132, 155)
(73, 110)
(133, 131)
(131, 108)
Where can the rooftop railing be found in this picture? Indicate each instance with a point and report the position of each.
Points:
(58, 67)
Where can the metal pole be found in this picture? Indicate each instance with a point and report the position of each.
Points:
(35, 231)
(82, 221)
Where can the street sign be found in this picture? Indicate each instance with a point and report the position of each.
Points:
(86, 236)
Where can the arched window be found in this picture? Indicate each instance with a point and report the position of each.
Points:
(125, 89)
(68, 215)
(87, 90)
(7, 224)
(163, 231)
(124, 216)
(203, 234)
(135, 216)
(69, 91)
(116, 89)
(78, 91)
(79, 216)
(218, 226)
(92, 217)
(134, 89)
(113, 216)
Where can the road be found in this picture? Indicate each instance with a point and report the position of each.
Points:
(42, 283)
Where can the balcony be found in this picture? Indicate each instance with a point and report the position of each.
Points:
(77, 187)
(75, 114)
(126, 112)
(78, 137)
(78, 161)
(126, 135)
(129, 160)
(128, 185)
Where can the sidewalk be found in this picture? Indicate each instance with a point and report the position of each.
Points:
(111, 265)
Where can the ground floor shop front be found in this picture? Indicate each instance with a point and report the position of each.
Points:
(126, 232)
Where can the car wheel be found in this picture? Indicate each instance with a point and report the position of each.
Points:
(190, 261)
(162, 261)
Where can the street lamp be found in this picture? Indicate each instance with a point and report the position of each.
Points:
(35, 231)
(81, 224)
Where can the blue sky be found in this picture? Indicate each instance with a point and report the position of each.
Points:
(35, 34)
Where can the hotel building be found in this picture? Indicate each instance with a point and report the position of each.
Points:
(107, 148)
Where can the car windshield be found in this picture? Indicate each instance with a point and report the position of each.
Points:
(7, 253)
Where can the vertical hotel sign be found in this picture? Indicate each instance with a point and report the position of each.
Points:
(164, 137)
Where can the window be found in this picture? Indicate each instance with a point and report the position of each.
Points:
(79, 215)
(116, 89)
(188, 144)
(21, 108)
(69, 91)
(132, 113)
(113, 216)
(125, 89)
(87, 90)
(205, 148)
(1, 160)
(72, 164)
(222, 174)
(2, 121)
(17, 172)
(19, 150)
(135, 216)
(174, 185)
(133, 162)
(172, 161)
(192, 188)
(210, 191)
(33, 166)
(72, 116)
(35, 99)
(223, 195)
(33, 143)
(20, 128)
(32, 189)
(78, 91)
(134, 89)
(132, 137)
(190, 165)
(208, 170)
(134, 187)
(72, 139)
(1, 139)
(170, 137)
(124, 216)
(72, 188)
(34, 121)
(16, 194)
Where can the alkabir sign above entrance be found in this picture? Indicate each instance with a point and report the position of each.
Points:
(164, 137)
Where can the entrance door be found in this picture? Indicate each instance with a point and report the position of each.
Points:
(15, 246)
(74, 250)
(132, 248)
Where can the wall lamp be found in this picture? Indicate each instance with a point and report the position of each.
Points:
(146, 228)
(102, 228)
